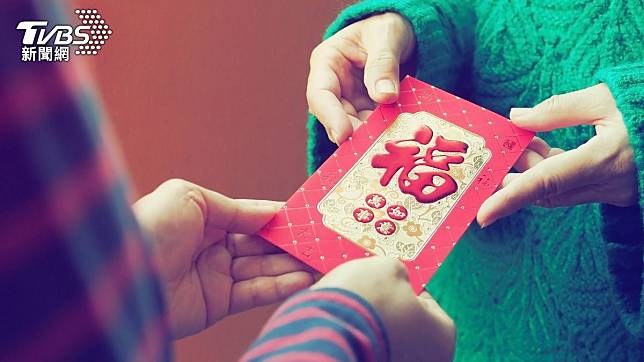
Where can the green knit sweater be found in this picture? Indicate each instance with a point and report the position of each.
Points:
(544, 284)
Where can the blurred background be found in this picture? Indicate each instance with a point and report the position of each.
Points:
(212, 92)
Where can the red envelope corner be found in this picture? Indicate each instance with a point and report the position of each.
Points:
(407, 184)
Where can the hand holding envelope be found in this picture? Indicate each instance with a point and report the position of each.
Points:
(601, 170)
(212, 265)
(336, 93)
(406, 184)
(417, 328)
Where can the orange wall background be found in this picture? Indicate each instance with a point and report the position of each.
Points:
(213, 92)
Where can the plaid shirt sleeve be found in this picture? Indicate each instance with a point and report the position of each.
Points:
(77, 280)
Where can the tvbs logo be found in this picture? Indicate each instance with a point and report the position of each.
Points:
(52, 44)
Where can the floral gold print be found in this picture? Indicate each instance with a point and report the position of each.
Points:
(399, 192)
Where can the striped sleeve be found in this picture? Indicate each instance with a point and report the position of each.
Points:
(322, 325)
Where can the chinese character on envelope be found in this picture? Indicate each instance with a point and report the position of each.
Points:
(406, 185)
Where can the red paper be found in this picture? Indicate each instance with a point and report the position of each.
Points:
(407, 184)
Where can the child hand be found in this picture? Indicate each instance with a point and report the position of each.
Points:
(417, 328)
(211, 263)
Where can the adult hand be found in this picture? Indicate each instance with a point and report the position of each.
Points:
(355, 67)
(417, 328)
(600, 170)
(211, 263)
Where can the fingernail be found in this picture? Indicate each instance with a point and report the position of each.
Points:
(385, 86)
(518, 113)
(332, 137)
(485, 224)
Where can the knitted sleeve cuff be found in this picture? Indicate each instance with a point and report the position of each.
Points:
(623, 227)
(443, 31)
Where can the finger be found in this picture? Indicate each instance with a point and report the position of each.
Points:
(537, 151)
(525, 164)
(363, 115)
(382, 69)
(355, 122)
(428, 302)
(248, 245)
(351, 113)
(555, 151)
(328, 110)
(248, 267)
(348, 107)
(549, 177)
(539, 146)
(583, 195)
(357, 108)
(323, 96)
(528, 159)
(260, 291)
(237, 216)
(380, 269)
(579, 107)
(360, 100)
(508, 179)
(430, 305)
(381, 76)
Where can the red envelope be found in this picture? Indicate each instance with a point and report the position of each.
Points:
(407, 184)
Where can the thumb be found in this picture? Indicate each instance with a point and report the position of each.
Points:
(433, 308)
(236, 215)
(387, 40)
(565, 110)
(381, 74)
(428, 302)
(384, 42)
(549, 178)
